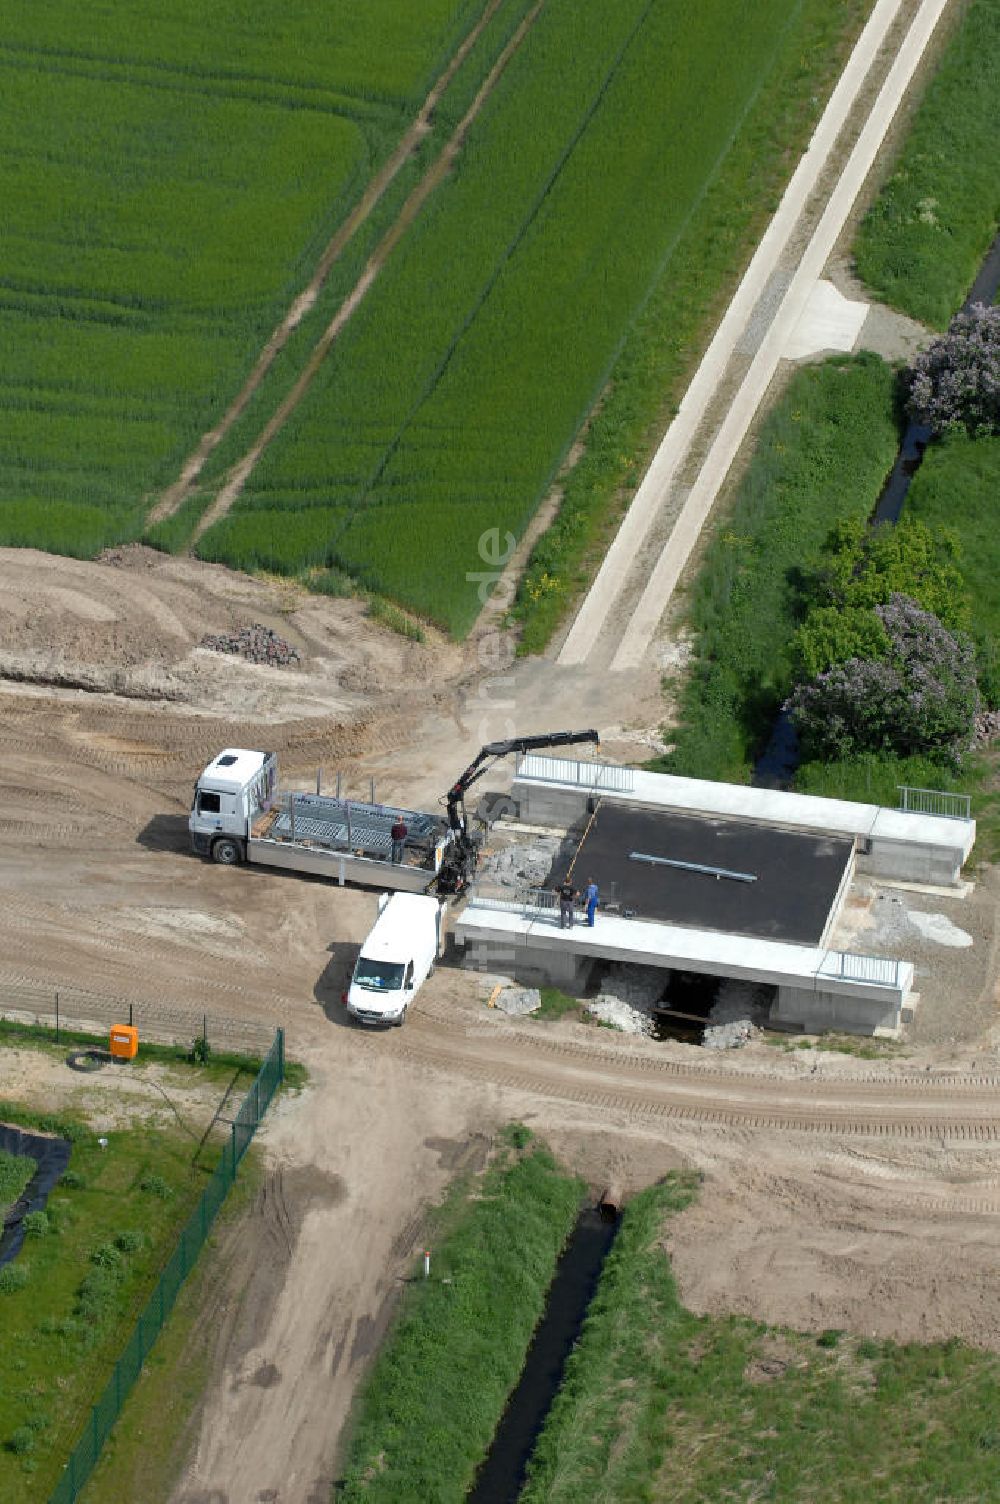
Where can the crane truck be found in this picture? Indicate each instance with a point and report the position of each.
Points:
(239, 815)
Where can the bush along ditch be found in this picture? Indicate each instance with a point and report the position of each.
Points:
(883, 662)
(886, 663)
(428, 1413)
(918, 694)
(881, 643)
(955, 384)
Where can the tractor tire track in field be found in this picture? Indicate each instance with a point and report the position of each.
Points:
(435, 175)
(439, 170)
(182, 488)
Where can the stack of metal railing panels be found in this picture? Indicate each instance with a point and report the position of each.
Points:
(344, 824)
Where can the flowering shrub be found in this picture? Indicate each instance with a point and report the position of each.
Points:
(921, 697)
(956, 383)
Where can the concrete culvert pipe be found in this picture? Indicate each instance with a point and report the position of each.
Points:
(609, 1203)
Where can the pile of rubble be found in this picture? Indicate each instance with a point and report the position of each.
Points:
(521, 866)
(739, 1010)
(628, 996)
(256, 643)
(731, 1036)
(506, 995)
(516, 1001)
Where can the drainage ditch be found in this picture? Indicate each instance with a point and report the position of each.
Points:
(502, 1475)
(683, 1012)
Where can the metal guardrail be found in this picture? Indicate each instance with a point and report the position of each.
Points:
(529, 904)
(83, 1458)
(949, 806)
(577, 773)
(511, 905)
(876, 971)
(87, 1013)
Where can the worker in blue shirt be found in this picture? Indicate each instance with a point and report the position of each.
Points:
(590, 899)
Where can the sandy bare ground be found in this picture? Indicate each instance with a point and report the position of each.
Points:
(837, 1192)
(113, 1096)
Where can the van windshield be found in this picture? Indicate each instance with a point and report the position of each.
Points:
(378, 976)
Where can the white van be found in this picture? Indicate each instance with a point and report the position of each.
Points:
(397, 957)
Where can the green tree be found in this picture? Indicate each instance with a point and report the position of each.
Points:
(833, 634)
(865, 567)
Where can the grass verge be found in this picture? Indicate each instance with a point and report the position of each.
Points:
(955, 490)
(15, 1172)
(840, 1044)
(660, 1404)
(556, 1004)
(145, 1453)
(920, 245)
(876, 780)
(823, 455)
(216, 1065)
(79, 1282)
(431, 1406)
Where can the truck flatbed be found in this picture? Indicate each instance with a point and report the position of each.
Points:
(238, 815)
(346, 825)
(348, 841)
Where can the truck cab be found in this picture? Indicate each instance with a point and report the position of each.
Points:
(233, 790)
(396, 958)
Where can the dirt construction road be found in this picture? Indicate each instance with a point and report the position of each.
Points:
(837, 1192)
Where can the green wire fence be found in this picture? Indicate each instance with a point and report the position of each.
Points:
(84, 1456)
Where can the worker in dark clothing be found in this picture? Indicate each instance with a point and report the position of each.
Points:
(398, 833)
(590, 899)
(567, 893)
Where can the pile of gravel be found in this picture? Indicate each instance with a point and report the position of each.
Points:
(256, 643)
(628, 996)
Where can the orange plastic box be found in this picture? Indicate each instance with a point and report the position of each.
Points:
(124, 1042)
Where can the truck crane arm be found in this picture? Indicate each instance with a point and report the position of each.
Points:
(460, 864)
(489, 754)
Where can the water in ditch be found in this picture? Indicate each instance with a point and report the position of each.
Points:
(501, 1477)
